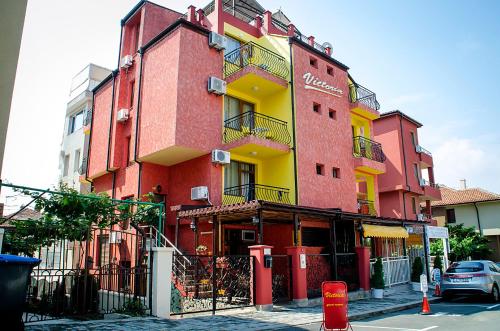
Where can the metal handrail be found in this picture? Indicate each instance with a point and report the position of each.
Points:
(364, 147)
(425, 182)
(251, 54)
(249, 192)
(361, 94)
(368, 203)
(420, 149)
(259, 125)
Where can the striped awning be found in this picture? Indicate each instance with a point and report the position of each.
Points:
(380, 231)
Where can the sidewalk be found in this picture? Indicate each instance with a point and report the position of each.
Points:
(397, 298)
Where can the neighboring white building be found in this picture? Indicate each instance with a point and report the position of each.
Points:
(78, 114)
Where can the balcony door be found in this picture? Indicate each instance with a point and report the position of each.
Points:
(238, 114)
(239, 180)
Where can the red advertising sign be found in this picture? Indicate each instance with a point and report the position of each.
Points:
(335, 301)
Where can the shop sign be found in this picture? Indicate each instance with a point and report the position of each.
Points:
(437, 232)
(313, 83)
(335, 300)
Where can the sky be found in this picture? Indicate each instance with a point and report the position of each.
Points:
(437, 61)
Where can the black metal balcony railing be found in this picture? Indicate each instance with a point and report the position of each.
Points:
(425, 182)
(366, 207)
(83, 167)
(259, 125)
(364, 147)
(251, 54)
(249, 192)
(87, 116)
(358, 93)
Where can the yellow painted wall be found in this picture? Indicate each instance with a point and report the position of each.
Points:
(370, 183)
(360, 122)
(277, 171)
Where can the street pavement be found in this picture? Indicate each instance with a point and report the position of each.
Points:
(282, 317)
(457, 315)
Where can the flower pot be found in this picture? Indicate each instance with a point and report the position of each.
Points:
(378, 293)
(415, 286)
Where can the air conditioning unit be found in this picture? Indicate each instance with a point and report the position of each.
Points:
(199, 193)
(216, 86)
(217, 41)
(126, 61)
(420, 217)
(122, 115)
(221, 157)
(422, 182)
(418, 148)
(115, 237)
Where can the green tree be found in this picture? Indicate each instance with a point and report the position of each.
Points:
(377, 280)
(436, 247)
(466, 243)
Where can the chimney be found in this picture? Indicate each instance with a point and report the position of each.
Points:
(463, 184)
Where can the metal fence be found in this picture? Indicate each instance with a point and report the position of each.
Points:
(318, 270)
(396, 270)
(211, 283)
(347, 269)
(282, 278)
(249, 192)
(110, 272)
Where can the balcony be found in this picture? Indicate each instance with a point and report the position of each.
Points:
(257, 125)
(425, 156)
(369, 156)
(431, 190)
(363, 101)
(366, 207)
(255, 61)
(249, 192)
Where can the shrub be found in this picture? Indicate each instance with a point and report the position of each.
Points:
(377, 280)
(133, 307)
(417, 269)
(438, 263)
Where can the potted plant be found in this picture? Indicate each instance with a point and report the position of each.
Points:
(377, 280)
(417, 269)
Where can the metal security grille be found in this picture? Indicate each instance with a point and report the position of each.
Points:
(282, 278)
(211, 283)
(87, 279)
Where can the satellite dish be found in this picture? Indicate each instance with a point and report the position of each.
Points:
(327, 45)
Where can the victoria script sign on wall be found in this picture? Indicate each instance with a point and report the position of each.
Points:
(313, 83)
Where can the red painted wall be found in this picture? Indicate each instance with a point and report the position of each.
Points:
(321, 139)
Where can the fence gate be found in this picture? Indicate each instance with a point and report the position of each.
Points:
(282, 278)
(209, 283)
(109, 272)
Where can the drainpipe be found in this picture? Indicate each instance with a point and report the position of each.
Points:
(90, 144)
(294, 148)
(136, 130)
(404, 161)
(111, 113)
(478, 219)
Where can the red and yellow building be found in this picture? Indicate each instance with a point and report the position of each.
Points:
(305, 166)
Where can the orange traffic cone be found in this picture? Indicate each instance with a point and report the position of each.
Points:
(426, 308)
(437, 290)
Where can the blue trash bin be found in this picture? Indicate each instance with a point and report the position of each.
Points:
(14, 277)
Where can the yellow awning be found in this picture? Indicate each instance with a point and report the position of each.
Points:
(380, 231)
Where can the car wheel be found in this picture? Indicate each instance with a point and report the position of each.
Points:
(495, 294)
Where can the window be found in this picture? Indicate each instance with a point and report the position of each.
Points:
(131, 93)
(313, 62)
(335, 172)
(76, 163)
(416, 172)
(414, 205)
(128, 148)
(317, 108)
(413, 139)
(103, 256)
(329, 70)
(239, 173)
(234, 107)
(332, 114)
(75, 122)
(450, 216)
(66, 165)
(320, 169)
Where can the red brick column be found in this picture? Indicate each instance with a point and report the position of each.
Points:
(298, 275)
(263, 289)
(364, 267)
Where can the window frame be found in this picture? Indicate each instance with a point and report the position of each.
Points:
(449, 212)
